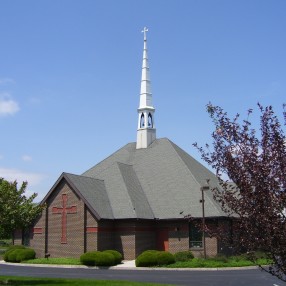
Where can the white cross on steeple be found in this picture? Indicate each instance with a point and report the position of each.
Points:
(144, 31)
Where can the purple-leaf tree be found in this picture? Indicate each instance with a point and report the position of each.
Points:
(253, 162)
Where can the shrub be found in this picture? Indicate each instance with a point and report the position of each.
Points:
(25, 254)
(11, 255)
(19, 254)
(183, 256)
(97, 258)
(147, 258)
(154, 258)
(221, 258)
(88, 258)
(165, 258)
(104, 259)
(117, 255)
(10, 250)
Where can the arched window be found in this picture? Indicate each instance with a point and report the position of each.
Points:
(150, 120)
(142, 124)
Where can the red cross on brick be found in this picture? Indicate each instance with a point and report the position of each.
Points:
(64, 211)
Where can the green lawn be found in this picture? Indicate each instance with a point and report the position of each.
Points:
(194, 263)
(216, 263)
(24, 281)
(63, 261)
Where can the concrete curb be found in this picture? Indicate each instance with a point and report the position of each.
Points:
(126, 266)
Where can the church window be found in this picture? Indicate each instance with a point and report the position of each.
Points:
(196, 236)
(142, 124)
(150, 120)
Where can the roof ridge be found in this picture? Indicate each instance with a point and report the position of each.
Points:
(176, 146)
(211, 201)
(140, 191)
(122, 148)
(83, 176)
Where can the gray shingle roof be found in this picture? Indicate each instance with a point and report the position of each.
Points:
(161, 181)
(93, 192)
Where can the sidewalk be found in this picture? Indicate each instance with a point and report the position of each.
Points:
(126, 264)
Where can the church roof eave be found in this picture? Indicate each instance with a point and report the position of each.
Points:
(70, 179)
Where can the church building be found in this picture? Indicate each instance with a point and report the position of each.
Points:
(136, 199)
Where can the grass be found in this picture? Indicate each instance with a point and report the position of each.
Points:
(217, 263)
(60, 261)
(25, 281)
(235, 261)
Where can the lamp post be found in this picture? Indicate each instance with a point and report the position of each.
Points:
(204, 188)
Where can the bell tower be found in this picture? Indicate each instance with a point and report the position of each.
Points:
(146, 131)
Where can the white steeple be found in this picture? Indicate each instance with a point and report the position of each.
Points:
(146, 132)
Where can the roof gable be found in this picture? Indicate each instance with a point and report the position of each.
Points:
(91, 191)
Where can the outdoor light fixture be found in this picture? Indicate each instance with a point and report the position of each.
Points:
(204, 188)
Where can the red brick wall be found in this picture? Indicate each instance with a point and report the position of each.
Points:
(74, 245)
(211, 243)
(129, 237)
(91, 232)
(145, 236)
(37, 235)
(178, 236)
(105, 235)
(124, 238)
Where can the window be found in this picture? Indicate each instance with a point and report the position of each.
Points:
(195, 236)
(150, 120)
(142, 124)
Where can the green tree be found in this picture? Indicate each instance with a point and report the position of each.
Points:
(17, 211)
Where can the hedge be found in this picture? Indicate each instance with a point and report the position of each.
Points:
(97, 258)
(117, 255)
(19, 254)
(10, 249)
(183, 256)
(165, 258)
(154, 258)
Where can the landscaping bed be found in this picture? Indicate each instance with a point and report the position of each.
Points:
(185, 259)
(216, 263)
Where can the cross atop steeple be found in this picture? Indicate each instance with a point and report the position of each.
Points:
(146, 132)
(144, 31)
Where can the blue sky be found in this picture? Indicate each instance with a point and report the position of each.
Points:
(70, 75)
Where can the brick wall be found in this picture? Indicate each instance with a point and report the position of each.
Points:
(145, 238)
(91, 232)
(178, 235)
(73, 246)
(124, 238)
(211, 242)
(105, 235)
(37, 235)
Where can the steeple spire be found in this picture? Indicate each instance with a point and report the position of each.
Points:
(146, 132)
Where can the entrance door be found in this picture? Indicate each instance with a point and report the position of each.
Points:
(163, 240)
